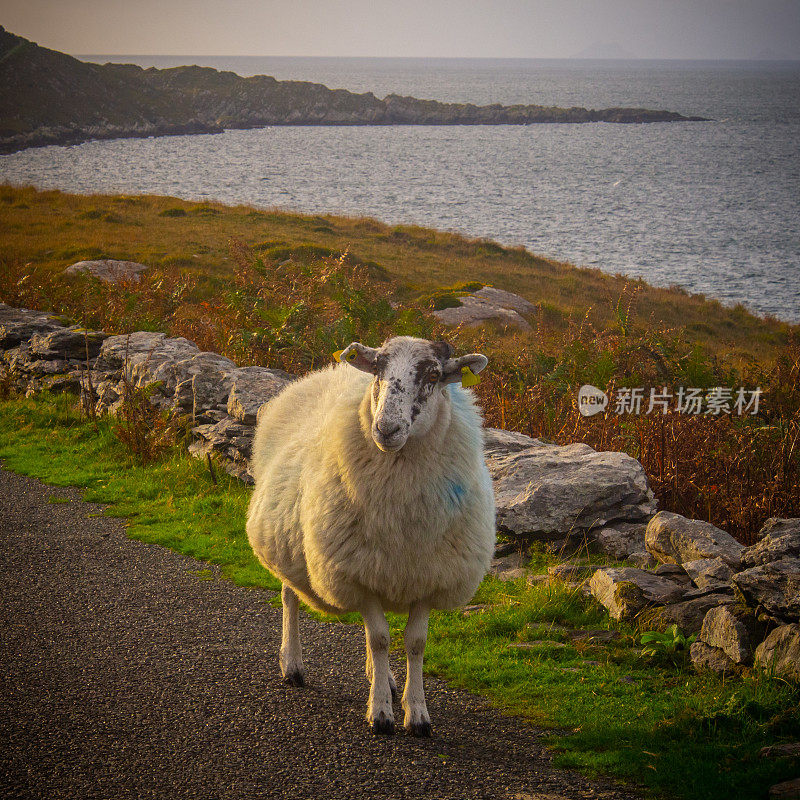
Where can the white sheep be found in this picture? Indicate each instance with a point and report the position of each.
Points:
(372, 495)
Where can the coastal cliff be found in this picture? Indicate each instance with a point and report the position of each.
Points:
(47, 97)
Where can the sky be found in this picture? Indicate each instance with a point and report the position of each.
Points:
(712, 29)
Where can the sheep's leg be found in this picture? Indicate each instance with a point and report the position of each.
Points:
(417, 721)
(379, 710)
(392, 680)
(291, 657)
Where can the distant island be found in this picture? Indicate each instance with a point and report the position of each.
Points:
(47, 97)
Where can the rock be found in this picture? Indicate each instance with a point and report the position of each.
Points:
(546, 490)
(536, 579)
(503, 299)
(709, 573)
(788, 790)
(775, 586)
(705, 657)
(725, 629)
(201, 382)
(185, 377)
(778, 538)
(642, 559)
(475, 311)
(786, 750)
(498, 440)
(621, 539)
(674, 572)
(687, 614)
(600, 636)
(572, 570)
(626, 591)
(108, 270)
(116, 350)
(18, 325)
(230, 439)
(779, 653)
(73, 342)
(252, 387)
(674, 539)
(537, 644)
(510, 567)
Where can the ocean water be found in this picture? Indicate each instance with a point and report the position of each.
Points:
(713, 206)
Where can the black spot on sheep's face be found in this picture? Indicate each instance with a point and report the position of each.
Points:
(404, 400)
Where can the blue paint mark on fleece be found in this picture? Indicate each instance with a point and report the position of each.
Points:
(455, 494)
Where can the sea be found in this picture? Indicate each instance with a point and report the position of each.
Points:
(713, 206)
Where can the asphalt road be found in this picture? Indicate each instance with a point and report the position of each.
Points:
(126, 674)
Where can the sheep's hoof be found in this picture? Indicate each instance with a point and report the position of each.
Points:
(421, 729)
(295, 678)
(383, 726)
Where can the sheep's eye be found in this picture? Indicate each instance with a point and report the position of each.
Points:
(433, 376)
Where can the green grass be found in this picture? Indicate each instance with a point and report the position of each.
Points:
(667, 729)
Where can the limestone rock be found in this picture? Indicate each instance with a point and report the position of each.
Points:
(504, 299)
(116, 350)
(252, 387)
(547, 490)
(17, 325)
(705, 657)
(73, 342)
(620, 539)
(675, 572)
(572, 570)
(709, 573)
(642, 559)
(778, 538)
(775, 586)
(722, 628)
(488, 305)
(674, 539)
(108, 270)
(788, 790)
(185, 377)
(201, 382)
(780, 652)
(626, 591)
(229, 439)
(687, 614)
(509, 567)
(498, 440)
(786, 750)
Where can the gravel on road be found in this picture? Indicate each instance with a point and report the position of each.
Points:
(131, 671)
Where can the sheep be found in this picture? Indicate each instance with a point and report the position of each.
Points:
(372, 495)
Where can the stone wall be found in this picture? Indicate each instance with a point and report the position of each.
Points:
(743, 603)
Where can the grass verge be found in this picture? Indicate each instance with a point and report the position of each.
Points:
(672, 731)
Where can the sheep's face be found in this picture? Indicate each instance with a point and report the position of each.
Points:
(408, 388)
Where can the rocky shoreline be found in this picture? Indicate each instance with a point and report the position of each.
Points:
(50, 98)
(742, 602)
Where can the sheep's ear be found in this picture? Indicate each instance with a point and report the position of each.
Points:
(359, 356)
(453, 367)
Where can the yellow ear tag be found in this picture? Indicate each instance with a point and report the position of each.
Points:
(468, 378)
(337, 356)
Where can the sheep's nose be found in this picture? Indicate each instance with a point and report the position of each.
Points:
(388, 429)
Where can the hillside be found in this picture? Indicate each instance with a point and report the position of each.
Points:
(47, 97)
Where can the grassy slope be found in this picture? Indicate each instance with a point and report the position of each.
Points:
(53, 230)
(666, 728)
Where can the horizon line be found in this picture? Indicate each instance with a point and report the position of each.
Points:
(795, 59)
